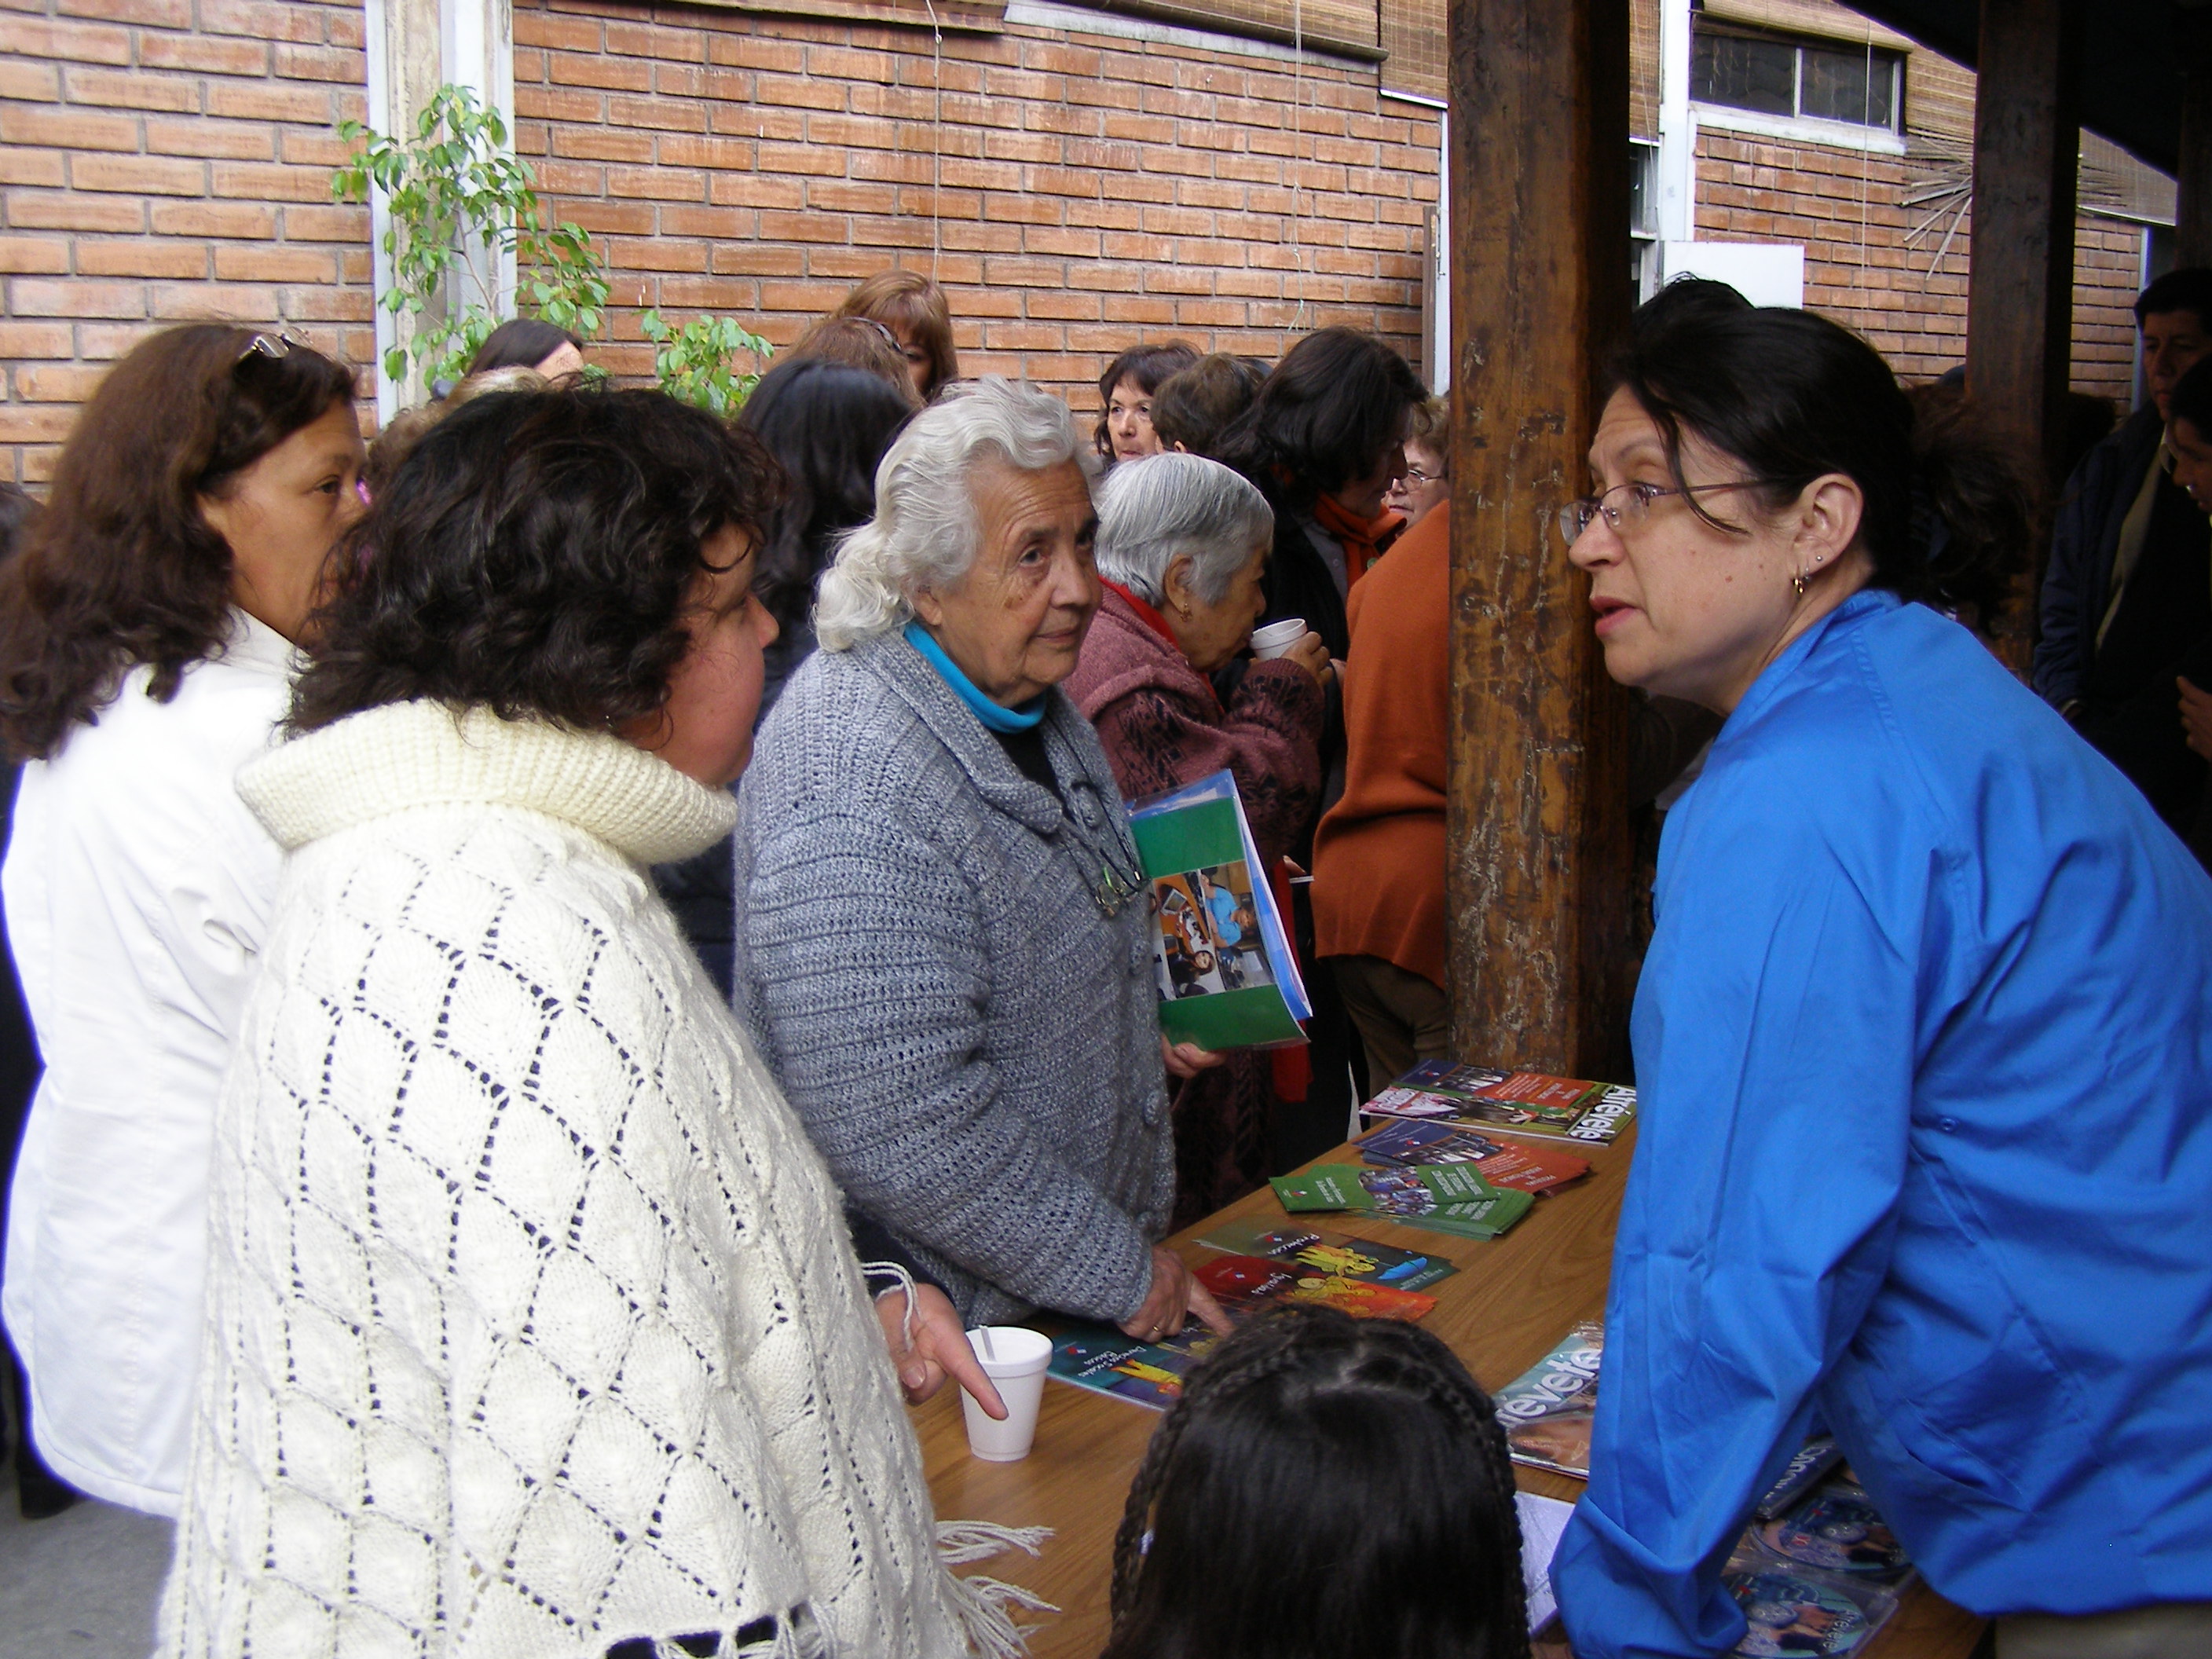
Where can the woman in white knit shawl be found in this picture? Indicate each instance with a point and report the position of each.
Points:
(533, 1328)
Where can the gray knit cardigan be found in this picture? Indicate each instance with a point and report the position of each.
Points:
(972, 1045)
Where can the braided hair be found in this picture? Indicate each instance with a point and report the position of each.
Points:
(1325, 1485)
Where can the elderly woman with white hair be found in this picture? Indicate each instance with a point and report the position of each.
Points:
(942, 931)
(1182, 548)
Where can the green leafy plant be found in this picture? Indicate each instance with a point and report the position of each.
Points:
(694, 363)
(458, 199)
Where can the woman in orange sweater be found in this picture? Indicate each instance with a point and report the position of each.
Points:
(1378, 887)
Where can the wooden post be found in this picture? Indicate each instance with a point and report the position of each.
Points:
(1539, 886)
(2020, 291)
(2192, 230)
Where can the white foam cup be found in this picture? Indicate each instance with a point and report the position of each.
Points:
(1276, 639)
(1015, 1359)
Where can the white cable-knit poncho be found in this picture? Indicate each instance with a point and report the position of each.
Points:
(533, 1325)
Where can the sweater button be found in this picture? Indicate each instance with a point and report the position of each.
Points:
(1949, 1126)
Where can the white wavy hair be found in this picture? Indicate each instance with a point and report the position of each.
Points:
(1154, 511)
(925, 532)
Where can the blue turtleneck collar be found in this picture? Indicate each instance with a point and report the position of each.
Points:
(996, 716)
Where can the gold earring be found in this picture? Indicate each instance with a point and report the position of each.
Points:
(1798, 581)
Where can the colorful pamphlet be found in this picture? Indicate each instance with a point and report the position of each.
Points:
(1522, 1167)
(1838, 1529)
(1335, 1254)
(1797, 1614)
(1104, 1360)
(1822, 1578)
(1227, 977)
(1449, 1197)
(1520, 1103)
(1244, 1284)
(1549, 1409)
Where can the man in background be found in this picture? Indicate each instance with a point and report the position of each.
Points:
(2128, 593)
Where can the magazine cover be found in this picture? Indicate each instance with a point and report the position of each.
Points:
(1333, 1253)
(1225, 973)
(1106, 1361)
(1244, 1284)
(1792, 1613)
(1548, 1410)
(1823, 1578)
(1451, 1195)
(1522, 1102)
(1525, 1168)
(1838, 1530)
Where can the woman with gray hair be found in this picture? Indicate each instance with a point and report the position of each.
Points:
(1183, 546)
(943, 946)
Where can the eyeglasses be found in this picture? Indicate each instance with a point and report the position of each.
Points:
(276, 345)
(1414, 476)
(1574, 517)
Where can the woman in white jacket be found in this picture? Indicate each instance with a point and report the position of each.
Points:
(534, 1327)
(145, 647)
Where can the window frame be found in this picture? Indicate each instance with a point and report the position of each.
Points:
(1705, 27)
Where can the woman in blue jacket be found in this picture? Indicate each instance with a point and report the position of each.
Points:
(1923, 1036)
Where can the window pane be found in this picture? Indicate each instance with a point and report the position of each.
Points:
(1643, 189)
(1837, 87)
(1760, 74)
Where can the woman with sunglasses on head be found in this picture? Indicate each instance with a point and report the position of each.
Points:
(1923, 1035)
(146, 632)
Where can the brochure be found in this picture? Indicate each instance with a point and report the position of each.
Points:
(1520, 1103)
(1548, 1410)
(1333, 1254)
(1104, 1360)
(1524, 1167)
(1244, 1284)
(1452, 1197)
(1802, 1612)
(1226, 974)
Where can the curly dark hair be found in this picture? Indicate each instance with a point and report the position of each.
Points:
(534, 555)
(1325, 415)
(1792, 396)
(1312, 1459)
(120, 569)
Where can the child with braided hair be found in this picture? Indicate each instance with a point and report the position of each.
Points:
(1325, 1487)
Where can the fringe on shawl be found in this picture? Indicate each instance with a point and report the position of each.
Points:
(984, 1606)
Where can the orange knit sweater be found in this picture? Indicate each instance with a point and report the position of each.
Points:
(1378, 887)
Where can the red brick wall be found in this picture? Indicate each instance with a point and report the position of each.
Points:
(1093, 191)
(1848, 210)
(163, 160)
(167, 159)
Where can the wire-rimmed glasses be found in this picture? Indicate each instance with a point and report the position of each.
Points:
(1574, 517)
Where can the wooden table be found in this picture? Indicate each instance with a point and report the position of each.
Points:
(1512, 1298)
